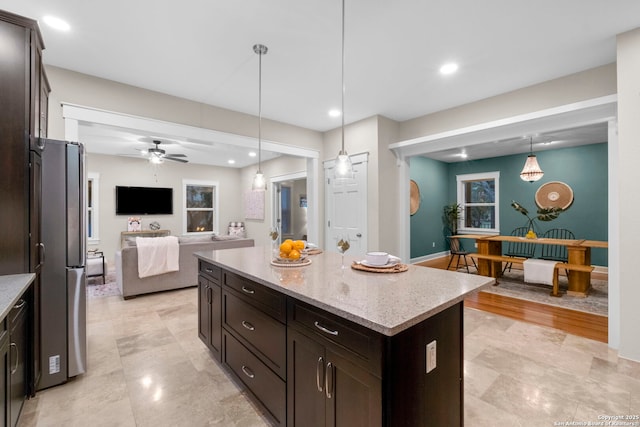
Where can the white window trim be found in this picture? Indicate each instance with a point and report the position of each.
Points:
(461, 179)
(95, 208)
(216, 211)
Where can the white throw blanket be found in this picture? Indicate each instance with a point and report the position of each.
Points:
(157, 255)
(539, 271)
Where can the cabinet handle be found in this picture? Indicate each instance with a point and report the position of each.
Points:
(41, 253)
(208, 270)
(209, 295)
(248, 290)
(248, 372)
(323, 329)
(328, 388)
(248, 325)
(319, 367)
(20, 304)
(15, 368)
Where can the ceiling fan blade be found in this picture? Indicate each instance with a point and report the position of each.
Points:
(175, 159)
(177, 155)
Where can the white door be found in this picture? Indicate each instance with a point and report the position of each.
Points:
(346, 208)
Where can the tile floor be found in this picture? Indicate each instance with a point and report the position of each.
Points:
(147, 367)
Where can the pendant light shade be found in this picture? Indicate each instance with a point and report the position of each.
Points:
(343, 169)
(531, 171)
(259, 182)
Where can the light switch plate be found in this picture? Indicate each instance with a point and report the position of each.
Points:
(431, 356)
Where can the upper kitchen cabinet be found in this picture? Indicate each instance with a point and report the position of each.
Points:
(23, 116)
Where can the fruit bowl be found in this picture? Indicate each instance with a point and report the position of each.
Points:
(291, 261)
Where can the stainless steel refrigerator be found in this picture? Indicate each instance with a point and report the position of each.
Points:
(63, 292)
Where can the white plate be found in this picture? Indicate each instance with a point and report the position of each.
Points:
(393, 261)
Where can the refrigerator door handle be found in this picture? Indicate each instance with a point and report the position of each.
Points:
(77, 321)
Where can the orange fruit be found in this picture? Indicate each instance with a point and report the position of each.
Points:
(298, 244)
(294, 254)
(283, 255)
(286, 247)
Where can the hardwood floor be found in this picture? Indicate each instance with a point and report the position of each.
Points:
(574, 322)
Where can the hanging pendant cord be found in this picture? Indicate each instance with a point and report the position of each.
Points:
(260, 110)
(342, 152)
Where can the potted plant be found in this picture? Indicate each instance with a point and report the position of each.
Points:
(451, 216)
(544, 214)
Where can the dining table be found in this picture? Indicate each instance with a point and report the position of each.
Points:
(578, 253)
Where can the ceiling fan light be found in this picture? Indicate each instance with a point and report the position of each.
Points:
(156, 160)
(531, 171)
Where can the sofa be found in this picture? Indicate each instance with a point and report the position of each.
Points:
(131, 285)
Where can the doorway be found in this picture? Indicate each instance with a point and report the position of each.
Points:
(289, 207)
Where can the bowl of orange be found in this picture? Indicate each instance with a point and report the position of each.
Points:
(292, 251)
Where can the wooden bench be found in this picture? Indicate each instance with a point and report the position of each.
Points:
(517, 260)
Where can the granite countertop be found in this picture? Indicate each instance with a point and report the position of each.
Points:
(387, 303)
(11, 289)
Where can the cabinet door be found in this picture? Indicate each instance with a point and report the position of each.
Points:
(204, 310)
(210, 315)
(305, 381)
(354, 396)
(17, 350)
(4, 377)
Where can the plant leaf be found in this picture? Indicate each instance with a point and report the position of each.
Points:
(549, 214)
(517, 206)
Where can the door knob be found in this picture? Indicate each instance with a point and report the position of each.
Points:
(359, 235)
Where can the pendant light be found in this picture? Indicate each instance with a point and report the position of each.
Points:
(343, 169)
(259, 182)
(531, 171)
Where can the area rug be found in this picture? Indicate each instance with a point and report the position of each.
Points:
(97, 289)
(512, 285)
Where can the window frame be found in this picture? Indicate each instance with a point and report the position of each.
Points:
(461, 180)
(93, 210)
(216, 217)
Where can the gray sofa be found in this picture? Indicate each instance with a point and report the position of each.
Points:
(127, 266)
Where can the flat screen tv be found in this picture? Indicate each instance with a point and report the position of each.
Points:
(144, 201)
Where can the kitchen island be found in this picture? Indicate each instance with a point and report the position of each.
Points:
(323, 345)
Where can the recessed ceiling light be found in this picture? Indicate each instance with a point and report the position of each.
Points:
(231, 161)
(449, 68)
(56, 23)
(252, 154)
(334, 113)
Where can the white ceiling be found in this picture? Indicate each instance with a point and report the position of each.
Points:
(202, 50)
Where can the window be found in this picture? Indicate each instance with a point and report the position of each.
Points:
(93, 195)
(478, 196)
(200, 204)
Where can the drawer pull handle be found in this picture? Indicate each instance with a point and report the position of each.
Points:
(328, 388)
(20, 304)
(248, 325)
(323, 329)
(248, 290)
(248, 372)
(208, 270)
(319, 367)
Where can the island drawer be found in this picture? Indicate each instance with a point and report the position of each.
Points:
(267, 387)
(210, 271)
(267, 300)
(263, 332)
(356, 342)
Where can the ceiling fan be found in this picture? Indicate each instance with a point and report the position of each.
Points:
(158, 155)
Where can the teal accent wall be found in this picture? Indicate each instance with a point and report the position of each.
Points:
(583, 168)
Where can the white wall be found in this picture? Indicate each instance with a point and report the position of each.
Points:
(629, 175)
(126, 171)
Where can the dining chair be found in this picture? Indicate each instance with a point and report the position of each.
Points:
(457, 250)
(521, 249)
(556, 252)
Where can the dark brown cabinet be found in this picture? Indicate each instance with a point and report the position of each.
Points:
(327, 389)
(23, 122)
(305, 366)
(17, 360)
(210, 309)
(4, 375)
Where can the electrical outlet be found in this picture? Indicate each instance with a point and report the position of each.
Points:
(431, 356)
